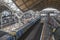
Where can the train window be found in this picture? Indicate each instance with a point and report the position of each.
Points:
(27, 15)
(6, 13)
(53, 14)
(43, 14)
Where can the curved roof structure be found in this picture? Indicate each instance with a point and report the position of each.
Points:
(25, 5)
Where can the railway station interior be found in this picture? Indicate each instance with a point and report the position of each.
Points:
(29, 19)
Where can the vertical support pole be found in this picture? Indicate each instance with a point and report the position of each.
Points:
(46, 33)
(1, 19)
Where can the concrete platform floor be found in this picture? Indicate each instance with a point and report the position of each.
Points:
(33, 33)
